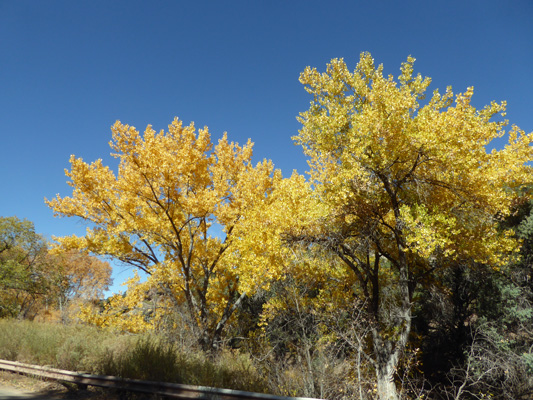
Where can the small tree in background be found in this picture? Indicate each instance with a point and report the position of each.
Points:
(36, 283)
(25, 276)
(84, 279)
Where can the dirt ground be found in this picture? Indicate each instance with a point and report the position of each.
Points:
(48, 389)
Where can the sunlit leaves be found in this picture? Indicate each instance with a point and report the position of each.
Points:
(174, 210)
(407, 185)
(374, 142)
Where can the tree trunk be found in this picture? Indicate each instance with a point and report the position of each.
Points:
(386, 386)
(386, 357)
(390, 339)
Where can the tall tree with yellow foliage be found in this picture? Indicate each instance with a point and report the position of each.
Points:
(172, 211)
(404, 188)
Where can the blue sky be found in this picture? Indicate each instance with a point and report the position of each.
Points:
(70, 69)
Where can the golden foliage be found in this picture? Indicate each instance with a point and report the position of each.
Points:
(406, 186)
(173, 210)
(387, 165)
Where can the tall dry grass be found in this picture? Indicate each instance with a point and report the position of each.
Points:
(148, 357)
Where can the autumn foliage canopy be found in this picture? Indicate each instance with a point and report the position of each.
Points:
(402, 185)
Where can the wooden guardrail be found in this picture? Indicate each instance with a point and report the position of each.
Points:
(172, 390)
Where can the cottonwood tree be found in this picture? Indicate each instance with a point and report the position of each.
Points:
(172, 211)
(404, 188)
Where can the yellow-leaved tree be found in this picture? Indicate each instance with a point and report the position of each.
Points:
(172, 211)
(404, 188)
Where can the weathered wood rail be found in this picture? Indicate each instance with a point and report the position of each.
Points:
(171, 390)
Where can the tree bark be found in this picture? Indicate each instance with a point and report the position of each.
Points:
(386, 358)
(390, 339)
(386, 386)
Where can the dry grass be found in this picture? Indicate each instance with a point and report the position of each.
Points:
(148, 357)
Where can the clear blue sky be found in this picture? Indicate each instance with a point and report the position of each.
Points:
(70, 69)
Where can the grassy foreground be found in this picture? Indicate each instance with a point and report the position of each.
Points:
(148, 357)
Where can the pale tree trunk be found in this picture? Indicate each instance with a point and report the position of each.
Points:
(390, 333)
(387, 355)
(388, 346)
(386, 386)
(386, 363)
